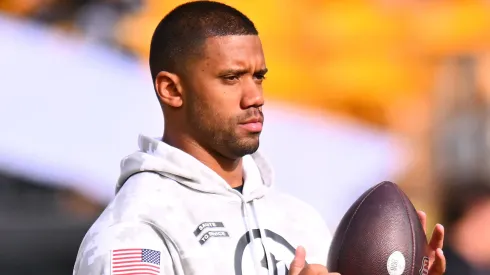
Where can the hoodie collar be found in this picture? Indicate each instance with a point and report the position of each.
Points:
(159, 157)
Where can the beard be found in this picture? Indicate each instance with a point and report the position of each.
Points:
(218, 133)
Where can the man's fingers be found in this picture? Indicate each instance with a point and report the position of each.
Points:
(437, 259)
(439, 265)
(299, 267)
(315, 269)
(423, 220)
(437, 240)
(298, 262)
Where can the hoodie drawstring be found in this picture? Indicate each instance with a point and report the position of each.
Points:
(263, 237)
(251, 236)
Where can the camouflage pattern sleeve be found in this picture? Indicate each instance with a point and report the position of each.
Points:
(123, 248)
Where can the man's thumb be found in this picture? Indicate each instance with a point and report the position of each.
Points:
(298, 262)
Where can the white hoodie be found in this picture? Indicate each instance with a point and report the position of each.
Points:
(174, 215)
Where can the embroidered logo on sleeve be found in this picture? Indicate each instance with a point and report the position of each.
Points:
(135, 261)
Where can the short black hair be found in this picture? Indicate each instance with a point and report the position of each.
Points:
(182, 32)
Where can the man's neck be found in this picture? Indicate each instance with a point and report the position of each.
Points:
(230, 170)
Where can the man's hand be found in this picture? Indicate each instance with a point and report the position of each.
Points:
(299, 266)
(437, 261)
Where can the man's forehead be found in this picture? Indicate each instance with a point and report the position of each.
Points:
(232, 44)
(233, 49)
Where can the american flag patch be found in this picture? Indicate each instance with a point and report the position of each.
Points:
(135, 261)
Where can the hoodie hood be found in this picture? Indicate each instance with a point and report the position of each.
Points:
(158, 157)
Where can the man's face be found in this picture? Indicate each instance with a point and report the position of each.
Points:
(223, 95)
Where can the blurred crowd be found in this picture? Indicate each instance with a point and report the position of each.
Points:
(404, 44)
(415, 69)
(42, 226)
(95, 20)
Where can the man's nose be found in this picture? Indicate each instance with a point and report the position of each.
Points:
(253, 95)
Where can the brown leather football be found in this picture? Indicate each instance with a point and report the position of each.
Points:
(380, 234)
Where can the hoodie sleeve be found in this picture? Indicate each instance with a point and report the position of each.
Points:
(123, 246)
(322, 239)
(318, 240)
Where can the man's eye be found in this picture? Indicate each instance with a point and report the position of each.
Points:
(259, 77)
(230, 77)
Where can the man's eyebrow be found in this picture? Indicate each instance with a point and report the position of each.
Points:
(262, 71)
(242, 71)
(234, 71)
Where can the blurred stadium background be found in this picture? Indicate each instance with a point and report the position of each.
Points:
(358, 92)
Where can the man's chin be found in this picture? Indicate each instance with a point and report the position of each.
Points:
(246, 148)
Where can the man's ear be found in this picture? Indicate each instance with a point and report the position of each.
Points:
(169, 89)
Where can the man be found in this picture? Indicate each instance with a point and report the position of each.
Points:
(466, 212)
(199, 200)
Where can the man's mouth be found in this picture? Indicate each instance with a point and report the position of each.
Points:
(253, 124)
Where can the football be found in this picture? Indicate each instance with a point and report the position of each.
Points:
(380, 234)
